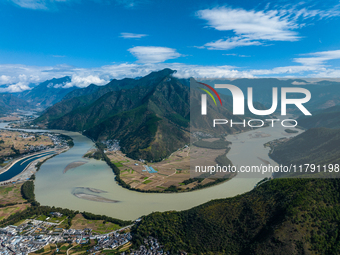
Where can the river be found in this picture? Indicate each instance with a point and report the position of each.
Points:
(53, 187)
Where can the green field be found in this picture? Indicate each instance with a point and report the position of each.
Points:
(97, 226)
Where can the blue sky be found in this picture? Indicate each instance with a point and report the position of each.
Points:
(97, 40)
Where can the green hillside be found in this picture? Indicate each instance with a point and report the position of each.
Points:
(10, 103)
(86, 96)
(150, 116)
(318, 146)
(329, 117)
(282, 216)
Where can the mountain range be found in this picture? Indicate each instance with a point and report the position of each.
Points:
(150, 115)
(319, 146)
(47, 93)
(328, 117)
(10, 103)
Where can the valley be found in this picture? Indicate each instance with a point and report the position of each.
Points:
(132, 161)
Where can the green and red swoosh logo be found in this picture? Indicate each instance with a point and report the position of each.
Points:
(209, 93)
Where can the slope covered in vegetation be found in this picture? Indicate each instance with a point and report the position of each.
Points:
(282, 216)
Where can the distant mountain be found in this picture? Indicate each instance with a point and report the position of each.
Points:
(150, 116)
(10, 103)
(319, 146)
(329, 117)
(282, 216)
(113, 85)
(47, 93)
(86, 96)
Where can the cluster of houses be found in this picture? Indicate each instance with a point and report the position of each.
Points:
(112, 145)
(81, 236)
(12, 242)
(111, 241)
(58, 142)
(151, 246)
(33, 235)
(200, 134)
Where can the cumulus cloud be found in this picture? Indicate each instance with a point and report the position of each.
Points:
(132, 35)
(18, 87)
(252, 27)
(152, 54)
(84, 81)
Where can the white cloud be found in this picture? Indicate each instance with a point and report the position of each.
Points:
(18, 77)
(31, 4)
(15, 88)
(152, 54)
(262, 25)
(129, 3)
(237, 55)
(318, 58)
(4, 79)
(132, 35)
(252, 27)
(231, 43)
(84, 81)
(40, 4)
(299, 83)
(52, 4)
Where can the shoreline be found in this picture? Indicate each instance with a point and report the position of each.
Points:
(30, 169)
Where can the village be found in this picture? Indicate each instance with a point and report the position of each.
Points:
(32, 235)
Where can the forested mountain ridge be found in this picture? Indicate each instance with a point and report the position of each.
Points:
(282, 216)
(48, 92)
(150, 116)
(318, 146)
(10, 103)
(329, 117)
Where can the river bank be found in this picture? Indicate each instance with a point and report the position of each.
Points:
(53, 187)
